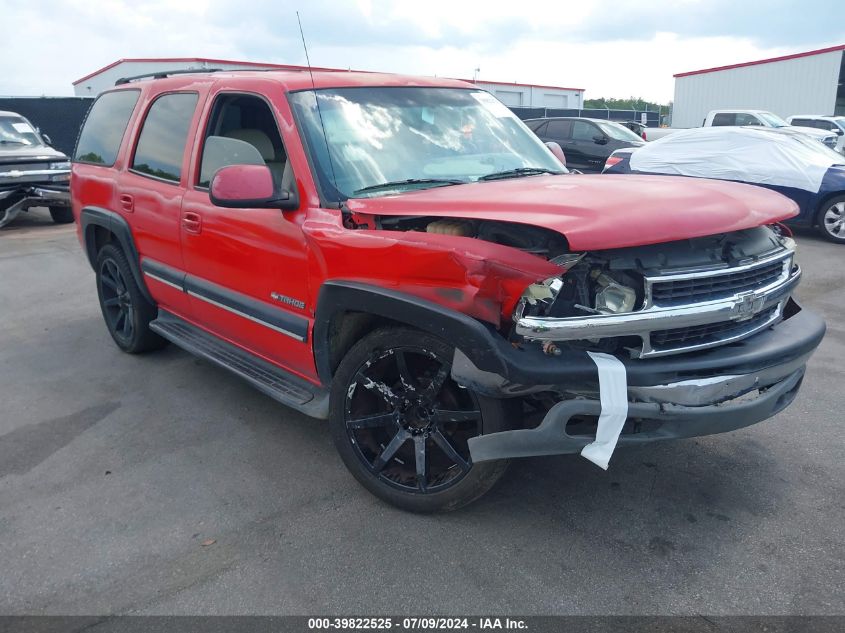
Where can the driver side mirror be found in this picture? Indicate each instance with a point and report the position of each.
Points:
(555, 149)
(47, 139)
(600, 139)
(249, 187)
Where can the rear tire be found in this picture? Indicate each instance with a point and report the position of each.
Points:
(61, 215)
(401, 424)
(126, 311)
(831, 219)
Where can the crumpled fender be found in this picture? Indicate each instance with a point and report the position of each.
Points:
(468, 275)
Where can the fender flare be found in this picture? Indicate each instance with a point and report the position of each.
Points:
(119, 227)
(475, 339)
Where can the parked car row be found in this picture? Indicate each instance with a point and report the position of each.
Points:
(826, 130)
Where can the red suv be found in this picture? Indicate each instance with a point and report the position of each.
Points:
(403, 257)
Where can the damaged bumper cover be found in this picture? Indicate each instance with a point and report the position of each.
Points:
(54, 195)
(687, 395)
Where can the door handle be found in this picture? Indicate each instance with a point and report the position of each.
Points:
(127, 203)
(192, 222)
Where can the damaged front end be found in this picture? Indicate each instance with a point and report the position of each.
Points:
(655, 342)
(626, 345)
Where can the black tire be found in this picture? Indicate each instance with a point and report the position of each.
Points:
(393, 401)
(830, 220)
(61, 215)
(126, 311)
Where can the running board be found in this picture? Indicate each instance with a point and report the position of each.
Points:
(273, 381)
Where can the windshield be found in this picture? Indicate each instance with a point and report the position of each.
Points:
(15, 130)
(381, 141)
(772, 120)
(618, 132)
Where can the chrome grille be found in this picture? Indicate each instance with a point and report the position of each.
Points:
(7, 167)
(694, 289)
(711, 332)
(686, 310)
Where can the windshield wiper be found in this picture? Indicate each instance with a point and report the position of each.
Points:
(518, 172)
(437, 182)
(13, 142)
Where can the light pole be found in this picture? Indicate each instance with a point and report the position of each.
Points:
(475, 72)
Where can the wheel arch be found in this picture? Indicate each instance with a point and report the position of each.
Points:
(101, 226)
(347, 310)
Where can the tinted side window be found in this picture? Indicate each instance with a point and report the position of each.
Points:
(558, 129)
(535, 126)
(583, 131)
(161, 145)
(104, 126)
(724, 118)
(746, 119)
(803, 122)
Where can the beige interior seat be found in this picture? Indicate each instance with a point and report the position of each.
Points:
(259, 139)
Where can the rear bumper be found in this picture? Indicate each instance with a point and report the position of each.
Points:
(699, 393)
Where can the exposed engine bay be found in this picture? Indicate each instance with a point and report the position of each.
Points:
(531, 239)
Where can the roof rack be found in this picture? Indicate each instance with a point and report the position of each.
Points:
(163, 74)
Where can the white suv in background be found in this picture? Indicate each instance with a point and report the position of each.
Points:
(835, 124)
(764, 118)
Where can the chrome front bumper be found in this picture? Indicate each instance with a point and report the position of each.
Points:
(33, 197)
(739, 308)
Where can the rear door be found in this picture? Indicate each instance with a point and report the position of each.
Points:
(151, 191)
(247, 268)
(592, 152)
(559, 131)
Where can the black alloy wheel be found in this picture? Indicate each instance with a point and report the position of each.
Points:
(402, 424)
(126, 311)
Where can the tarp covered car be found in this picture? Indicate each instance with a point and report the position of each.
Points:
(798, 167)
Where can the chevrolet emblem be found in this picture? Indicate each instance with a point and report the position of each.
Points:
(747, 305)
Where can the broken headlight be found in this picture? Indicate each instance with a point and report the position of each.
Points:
(612, 297)
(544, 293)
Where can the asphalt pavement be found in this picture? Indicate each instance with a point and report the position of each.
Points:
(159, 484)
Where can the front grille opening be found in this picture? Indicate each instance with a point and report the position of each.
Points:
(709, 333)
(716, 286)
(588, 424)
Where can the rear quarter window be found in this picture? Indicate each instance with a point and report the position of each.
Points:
(161, 144)
(101, 135)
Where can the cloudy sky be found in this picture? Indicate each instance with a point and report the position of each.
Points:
(613, 48)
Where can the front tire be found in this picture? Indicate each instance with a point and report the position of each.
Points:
(61, 215)
(831, 219)
(401, 424)
(126, 311)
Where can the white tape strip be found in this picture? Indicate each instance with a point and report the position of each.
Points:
(613, 393)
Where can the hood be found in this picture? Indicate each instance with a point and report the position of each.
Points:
(598, 212)
(809, 131)
(23, 153)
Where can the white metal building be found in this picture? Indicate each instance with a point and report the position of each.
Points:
(534, 96)
(511, 94)
(804, 83)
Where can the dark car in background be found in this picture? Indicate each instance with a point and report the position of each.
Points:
(32, 174)
(586, 142)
